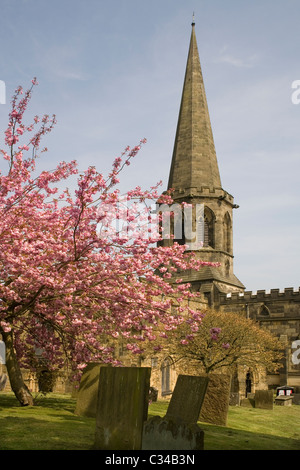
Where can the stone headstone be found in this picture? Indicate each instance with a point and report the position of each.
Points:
(284, 400)
(247, 403)
(216, 401)
(296, 399)
(264, 399)
(168, 434)
(187, 398)
(234, 399)
(122, 407)
(2, 352)
(87, 396)
(178, 430)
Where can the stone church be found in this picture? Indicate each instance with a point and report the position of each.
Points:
(195, 179)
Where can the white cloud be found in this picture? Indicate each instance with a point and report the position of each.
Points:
(231, 59)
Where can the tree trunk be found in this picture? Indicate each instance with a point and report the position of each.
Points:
(17, 383)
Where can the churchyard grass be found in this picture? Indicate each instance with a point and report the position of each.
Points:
(52, 425)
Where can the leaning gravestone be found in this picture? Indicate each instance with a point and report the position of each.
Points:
(187, 398)
(178, 430)
(216, 401)
(122, 407)
(87, 396)
(264, 399)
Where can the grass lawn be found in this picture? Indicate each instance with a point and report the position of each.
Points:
(52, 425)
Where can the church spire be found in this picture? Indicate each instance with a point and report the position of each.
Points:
(195, 178)
(194, 163)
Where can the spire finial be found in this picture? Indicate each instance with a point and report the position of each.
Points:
(193, 23)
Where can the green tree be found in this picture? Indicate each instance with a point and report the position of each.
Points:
(224, 340)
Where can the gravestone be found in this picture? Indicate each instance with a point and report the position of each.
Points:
(264, 399)
(187, 398)
(247, 402)
(87, 396)
(216, 401)
(168, 434)
(296, 399)
(122, 407)
(2, 352)
(178, 429)
(234, 399)
(284, 400)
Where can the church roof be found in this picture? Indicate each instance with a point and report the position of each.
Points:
(209, 274)
(194, 162)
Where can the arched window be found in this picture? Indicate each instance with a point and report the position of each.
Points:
(209, 228)
(171, 224)
(264, 311)
(227, 231)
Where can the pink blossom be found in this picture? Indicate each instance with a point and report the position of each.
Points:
(65, 288)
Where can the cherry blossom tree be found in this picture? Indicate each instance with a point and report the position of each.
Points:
(76, 271)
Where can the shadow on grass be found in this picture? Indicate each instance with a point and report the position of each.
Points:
(52, 425)
(49, 425)
(229, 438)
(225, 438)
(57, 402)
(61, 433)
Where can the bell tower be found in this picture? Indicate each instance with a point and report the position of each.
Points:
(195, 179)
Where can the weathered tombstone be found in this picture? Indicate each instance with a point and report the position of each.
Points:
(122, 407)
(264, 399)
(87, 396)
(216, 401)
(296, 399)
(187, 398)
(234, 399)
(2, 352)
(247, 402)
(284, 400)
(168, 434)
(178, 429)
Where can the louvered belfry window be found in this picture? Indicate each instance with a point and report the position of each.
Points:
(209, 228)
(227, 233)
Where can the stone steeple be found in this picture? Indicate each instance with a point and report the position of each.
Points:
(195, 178)
(194, 162)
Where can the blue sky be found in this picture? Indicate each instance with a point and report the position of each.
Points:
(112, 71)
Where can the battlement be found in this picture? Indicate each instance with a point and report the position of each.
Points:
(289, 293)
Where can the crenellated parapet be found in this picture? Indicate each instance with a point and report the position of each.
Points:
(288, 294)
